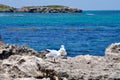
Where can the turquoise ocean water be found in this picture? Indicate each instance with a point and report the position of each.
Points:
(89, 32)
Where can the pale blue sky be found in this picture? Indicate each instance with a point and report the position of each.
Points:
(81, 4)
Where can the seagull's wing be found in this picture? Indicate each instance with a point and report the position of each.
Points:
(51, 50)
(52, 53)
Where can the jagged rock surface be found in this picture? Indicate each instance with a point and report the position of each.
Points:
(31, 67)
(7, 50)
(113, 52)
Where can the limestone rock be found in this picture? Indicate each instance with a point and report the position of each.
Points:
(113, 52)
(82, 67)
(31, 79)
(7, 50)
(29, 66)
(43, 53)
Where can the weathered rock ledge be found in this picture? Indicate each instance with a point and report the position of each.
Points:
(23, 63)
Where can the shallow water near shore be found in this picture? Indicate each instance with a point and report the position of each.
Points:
(89, 32)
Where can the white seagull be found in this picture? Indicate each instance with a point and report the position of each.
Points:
(55, 54)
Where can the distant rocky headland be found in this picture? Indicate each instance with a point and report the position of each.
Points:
(40, 9)
(5, 8)
(23, 63)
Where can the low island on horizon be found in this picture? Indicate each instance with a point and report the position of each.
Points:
(40, 9)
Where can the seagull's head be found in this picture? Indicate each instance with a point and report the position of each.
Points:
(62, 46)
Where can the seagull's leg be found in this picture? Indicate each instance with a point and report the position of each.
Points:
(54, 59)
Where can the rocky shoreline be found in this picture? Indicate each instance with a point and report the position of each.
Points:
(24, 63)
(40, 9)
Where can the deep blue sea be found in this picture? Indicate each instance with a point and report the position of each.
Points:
(89, 32)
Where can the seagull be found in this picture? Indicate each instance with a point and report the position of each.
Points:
(55, 54)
